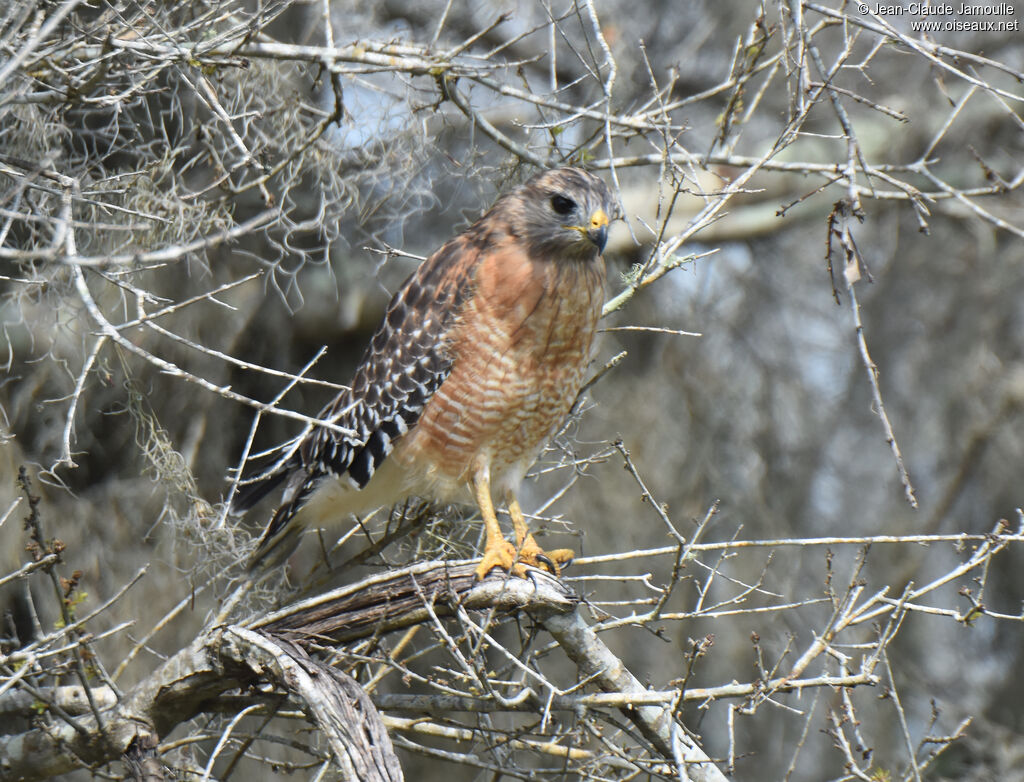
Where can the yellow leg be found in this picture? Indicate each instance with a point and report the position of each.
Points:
(498, 552)
(518, 520)
(529, 551)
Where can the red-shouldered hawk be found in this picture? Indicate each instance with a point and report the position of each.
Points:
(479, 359)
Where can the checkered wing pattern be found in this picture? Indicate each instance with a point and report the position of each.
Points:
(406, 362)
(477, 361)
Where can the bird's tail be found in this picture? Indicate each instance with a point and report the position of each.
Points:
(279, 538)
(248, 494)
(282, 534)
(277, 543)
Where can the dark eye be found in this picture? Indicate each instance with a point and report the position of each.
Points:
(562, 205)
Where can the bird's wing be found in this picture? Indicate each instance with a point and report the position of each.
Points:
(406, 362)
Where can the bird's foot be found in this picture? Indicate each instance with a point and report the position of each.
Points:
(508, 557)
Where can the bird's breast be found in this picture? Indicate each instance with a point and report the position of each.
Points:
(520, 347)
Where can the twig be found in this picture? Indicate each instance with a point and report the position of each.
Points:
(872, 373)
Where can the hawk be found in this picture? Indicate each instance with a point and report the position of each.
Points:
(478, 360)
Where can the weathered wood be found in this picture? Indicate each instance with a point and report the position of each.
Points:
(140, 760)
(228, 658)
(272, 649)
(332, 700)
(398, 599)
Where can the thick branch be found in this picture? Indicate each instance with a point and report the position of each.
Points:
(597, 663)
(397, 599)
(233, 657)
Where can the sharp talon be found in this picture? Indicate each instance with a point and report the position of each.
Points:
(547, 562)
(505, 555)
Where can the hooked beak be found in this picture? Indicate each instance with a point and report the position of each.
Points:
(597, 231)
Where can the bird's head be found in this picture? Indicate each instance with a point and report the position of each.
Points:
(565, 213)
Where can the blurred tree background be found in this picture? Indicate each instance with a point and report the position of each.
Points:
(203, 208)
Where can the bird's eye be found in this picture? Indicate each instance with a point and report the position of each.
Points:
(562, 205)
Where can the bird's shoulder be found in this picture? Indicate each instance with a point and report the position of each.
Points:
(406, 361)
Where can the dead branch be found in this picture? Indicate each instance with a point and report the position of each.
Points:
(240, 657)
